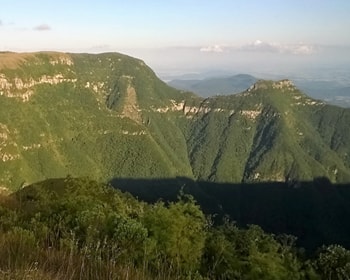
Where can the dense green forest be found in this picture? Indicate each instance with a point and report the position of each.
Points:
(109, 116)
(80, 229)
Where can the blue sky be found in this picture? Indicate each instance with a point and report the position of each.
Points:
(169, 33)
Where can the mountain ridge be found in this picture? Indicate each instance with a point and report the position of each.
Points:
(216, 85)
(109, 116)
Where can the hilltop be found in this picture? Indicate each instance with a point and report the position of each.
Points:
(108, 116)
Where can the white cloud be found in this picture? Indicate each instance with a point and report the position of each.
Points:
(259, 45)
(297, 49)
(214, 49)
(42, 27)
(0, 22)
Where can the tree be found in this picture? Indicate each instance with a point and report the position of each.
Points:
(333, 263)
(176, 234)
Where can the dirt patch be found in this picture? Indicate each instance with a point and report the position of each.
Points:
(131, 109)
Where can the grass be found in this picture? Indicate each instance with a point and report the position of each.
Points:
(13, 60)
(50, 263)
(31, 253)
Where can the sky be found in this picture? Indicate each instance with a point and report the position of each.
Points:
(179, 36)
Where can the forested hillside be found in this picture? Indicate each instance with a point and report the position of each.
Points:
(270, 156)
(108, 116)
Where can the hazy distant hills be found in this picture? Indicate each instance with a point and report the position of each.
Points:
(330, 91)
(108, 116)
(215, 86)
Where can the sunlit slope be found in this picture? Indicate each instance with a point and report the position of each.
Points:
(85, 115)
(108, 116)
(271, 132)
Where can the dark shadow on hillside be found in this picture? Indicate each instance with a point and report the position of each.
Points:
(317, 212)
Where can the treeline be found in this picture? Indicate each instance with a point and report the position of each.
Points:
(80, 229)
(316, 211)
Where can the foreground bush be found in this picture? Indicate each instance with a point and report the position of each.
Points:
(80, 229)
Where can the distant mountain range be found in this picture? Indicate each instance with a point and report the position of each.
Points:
(108, 116)
(330, 91)
(216, 85)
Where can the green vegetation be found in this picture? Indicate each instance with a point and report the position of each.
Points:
(108, 116)
(75, 121)
(80, 229)
(315, 212)
(271, 132)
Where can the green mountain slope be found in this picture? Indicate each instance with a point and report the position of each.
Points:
(108, 116)
(84, 115)
(271, 132)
